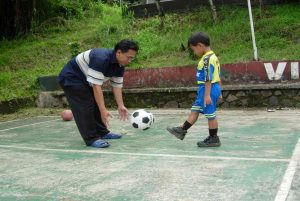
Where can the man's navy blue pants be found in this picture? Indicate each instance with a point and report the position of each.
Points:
(86, 112)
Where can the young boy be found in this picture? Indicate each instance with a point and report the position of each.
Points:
(209, 91)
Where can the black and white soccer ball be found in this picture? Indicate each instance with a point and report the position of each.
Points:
(141, 119)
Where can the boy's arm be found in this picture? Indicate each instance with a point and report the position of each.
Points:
(207, 98)
(208, 79)
(221, 96)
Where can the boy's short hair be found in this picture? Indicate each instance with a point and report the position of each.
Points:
(126, 45)
(199, 37)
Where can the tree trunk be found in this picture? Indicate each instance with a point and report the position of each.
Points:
(261, 4)
(15, 17)
(213, 10)
(160, 13)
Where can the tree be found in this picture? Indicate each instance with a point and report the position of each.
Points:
(15, 17)
(213, 10)
(161, 13)
(262, 8)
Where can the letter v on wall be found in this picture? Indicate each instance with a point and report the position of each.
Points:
(275, 75)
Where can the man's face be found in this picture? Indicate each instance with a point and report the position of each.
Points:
(125, 58)
(199, 49)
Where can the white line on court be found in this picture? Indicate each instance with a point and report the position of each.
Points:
(47, 116)
(286, 183)
(147, 155)
(29, 125)
(36, 117)
(2, 122)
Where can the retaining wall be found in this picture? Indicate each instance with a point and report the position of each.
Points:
(253, 84)
(258, 95)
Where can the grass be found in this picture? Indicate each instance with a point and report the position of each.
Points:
(47, 48)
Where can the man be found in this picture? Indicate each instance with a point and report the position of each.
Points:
(82, 79)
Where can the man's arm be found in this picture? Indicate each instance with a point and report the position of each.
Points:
(118, 96)
(98, 94)
(123, 112)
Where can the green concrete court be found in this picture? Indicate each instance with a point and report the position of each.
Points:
(44, 158)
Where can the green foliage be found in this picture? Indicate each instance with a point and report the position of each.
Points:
(66, 9)
(126, 12)
(53, 15)
(5, 78)
(74, 49)
(52, 43)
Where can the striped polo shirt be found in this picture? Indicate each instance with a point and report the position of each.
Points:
(94, 66)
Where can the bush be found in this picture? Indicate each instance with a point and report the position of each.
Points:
(67, 9)
(74, 49)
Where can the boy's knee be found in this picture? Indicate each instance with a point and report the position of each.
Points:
(195, 114)
(210, 116)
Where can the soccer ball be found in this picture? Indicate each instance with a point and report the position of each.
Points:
(141, 119)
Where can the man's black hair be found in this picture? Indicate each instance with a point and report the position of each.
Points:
(126, 45)
(199, 37)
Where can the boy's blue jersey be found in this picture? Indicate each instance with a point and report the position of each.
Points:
(208, 68)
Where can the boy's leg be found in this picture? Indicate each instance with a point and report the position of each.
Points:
(213, 139)
(180, 131)
(82, 104)
(192, 118)
(213, 124)
(210, 113)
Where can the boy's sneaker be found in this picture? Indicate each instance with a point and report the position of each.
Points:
(178, 132)
(210, 142)
(100, 144)
(111, 136)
